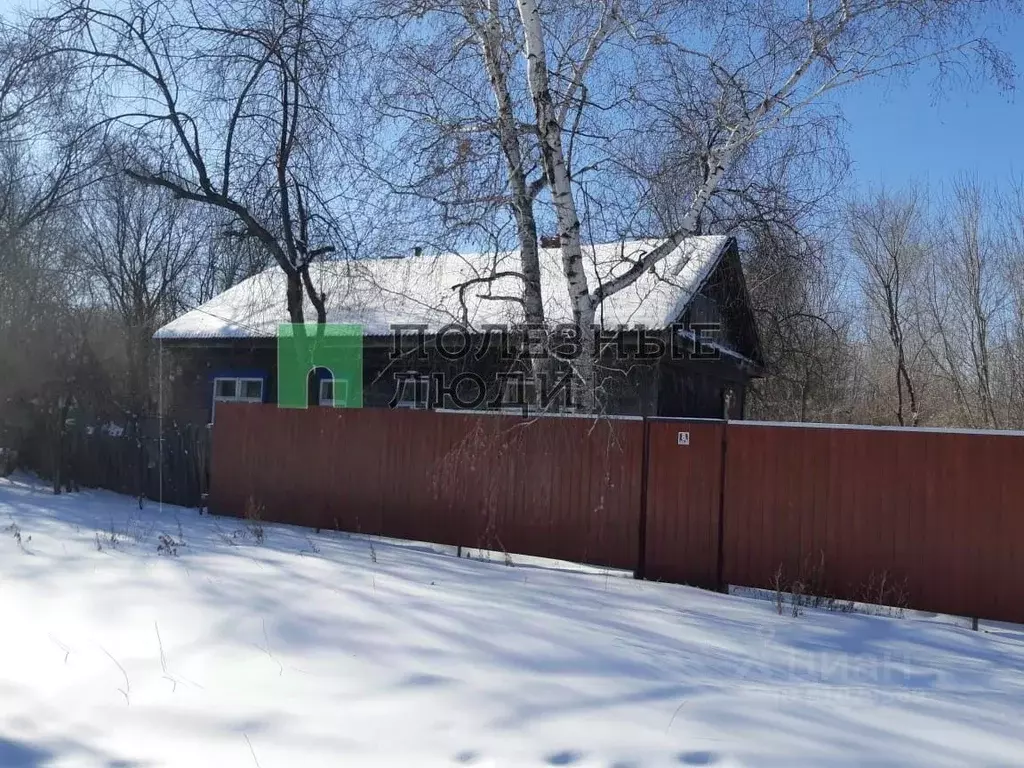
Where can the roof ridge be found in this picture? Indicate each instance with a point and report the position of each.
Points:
(382, 292)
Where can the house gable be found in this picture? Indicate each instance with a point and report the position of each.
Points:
(723, 300)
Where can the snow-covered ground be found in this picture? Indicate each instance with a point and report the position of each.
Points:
(328, 650)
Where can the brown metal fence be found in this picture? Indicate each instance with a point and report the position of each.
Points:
(930, 519)
(933, 519)
(684, 491)
(564, 488)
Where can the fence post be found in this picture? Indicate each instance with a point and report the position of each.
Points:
(641, 556)
(720, 555)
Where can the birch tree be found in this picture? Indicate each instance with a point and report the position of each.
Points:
(595, 73)
(769, 62)
(453, 85)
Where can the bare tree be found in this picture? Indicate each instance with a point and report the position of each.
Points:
(968, 298)
(140, 247)
(226, 105)
(466, 140)
(942, 287)
(46, 147)
(768, 64)
(887, 236)
(799, 296)
(46, 159)
(1012, 236)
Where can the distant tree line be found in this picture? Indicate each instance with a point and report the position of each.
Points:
(912, 316)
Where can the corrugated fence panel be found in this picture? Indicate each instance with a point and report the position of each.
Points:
(934, 520)
(683, 495)
(566, 488)
(930, 519)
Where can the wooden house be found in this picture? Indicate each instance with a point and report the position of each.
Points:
(680, 341)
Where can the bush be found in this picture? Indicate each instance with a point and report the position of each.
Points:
(253, 520)
(169, 545)
(8, 461)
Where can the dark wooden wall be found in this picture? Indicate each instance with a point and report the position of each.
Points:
(696, 389)
(629, 385)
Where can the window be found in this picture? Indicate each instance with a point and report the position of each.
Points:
(240, 390)
(252, 389)
(237, 390)
(225, 389)
(334, 392)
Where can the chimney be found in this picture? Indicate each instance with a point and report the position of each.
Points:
(550, 241)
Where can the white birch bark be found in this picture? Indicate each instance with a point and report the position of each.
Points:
(550, 123)
(833, 48)
(550, 134)
(487, 32)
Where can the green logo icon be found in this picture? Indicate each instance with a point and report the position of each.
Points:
(320, 364)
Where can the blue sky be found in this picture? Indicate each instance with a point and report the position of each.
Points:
(899, 132)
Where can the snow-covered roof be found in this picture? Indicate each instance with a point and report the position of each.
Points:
(421, 290)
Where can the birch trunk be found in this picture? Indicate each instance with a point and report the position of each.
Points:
(550, 135)
(488, 34)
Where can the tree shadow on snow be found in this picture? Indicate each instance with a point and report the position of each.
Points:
(20, 754)
(15, 754)
(566, 757)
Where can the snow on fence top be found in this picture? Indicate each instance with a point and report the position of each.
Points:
(424, 290)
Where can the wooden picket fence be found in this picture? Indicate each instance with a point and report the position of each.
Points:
(169, 464)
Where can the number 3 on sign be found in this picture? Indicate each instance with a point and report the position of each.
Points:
(683, 438)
